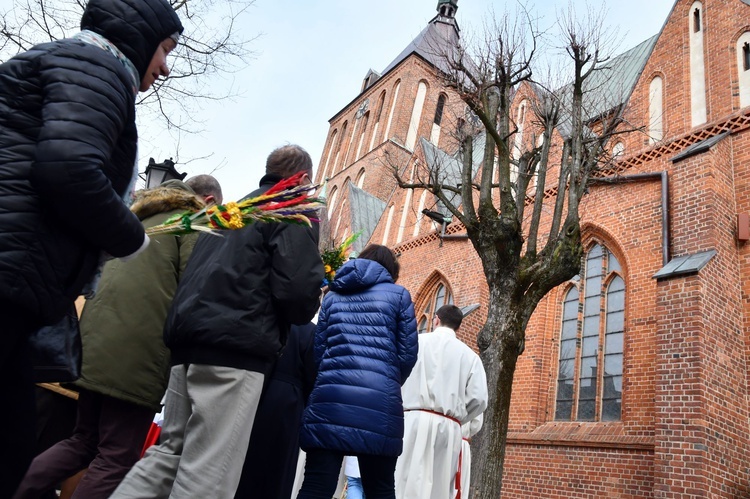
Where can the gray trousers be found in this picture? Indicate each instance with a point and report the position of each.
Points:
(208, 418)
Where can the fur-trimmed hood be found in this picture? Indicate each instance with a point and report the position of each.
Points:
(171, 195)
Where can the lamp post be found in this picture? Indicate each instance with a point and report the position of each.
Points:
(158, 173)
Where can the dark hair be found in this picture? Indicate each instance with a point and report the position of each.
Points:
(288, 160)
(450, 316)
(206, 185)
(384, 256)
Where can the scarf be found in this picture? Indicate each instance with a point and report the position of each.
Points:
(98, 40)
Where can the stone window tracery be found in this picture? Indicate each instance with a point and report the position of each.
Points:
(590, 366)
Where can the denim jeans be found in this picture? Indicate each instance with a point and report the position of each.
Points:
(322, 470)
(354, 488)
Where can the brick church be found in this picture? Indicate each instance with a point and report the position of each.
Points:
(644, 394)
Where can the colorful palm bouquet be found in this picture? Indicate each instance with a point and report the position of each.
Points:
(334, 258)
(285, 202)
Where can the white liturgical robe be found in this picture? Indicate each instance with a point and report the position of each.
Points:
(468, 430)
(446, 389)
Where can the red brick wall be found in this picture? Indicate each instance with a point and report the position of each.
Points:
(578, 472)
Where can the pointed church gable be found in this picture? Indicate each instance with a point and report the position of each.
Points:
(366, 211)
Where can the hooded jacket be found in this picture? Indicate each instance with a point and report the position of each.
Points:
(366, 346)
(67, 155)
(124, 355)
(242, 291)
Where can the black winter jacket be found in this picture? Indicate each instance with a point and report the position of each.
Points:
(67, 152)
(240, 293)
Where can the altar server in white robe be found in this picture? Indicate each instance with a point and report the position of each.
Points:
(468, 430)
(446, 389)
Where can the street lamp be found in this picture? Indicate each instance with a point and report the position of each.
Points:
(158, 173)
(438, 217)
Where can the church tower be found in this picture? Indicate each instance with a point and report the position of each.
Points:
(395, 109)
(447, 8)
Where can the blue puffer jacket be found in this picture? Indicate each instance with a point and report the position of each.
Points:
(365, 346)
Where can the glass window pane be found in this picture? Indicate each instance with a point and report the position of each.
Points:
(570, 309)
(616, 284)
(422, 325)
(566, 372)
(616, 301)
(595, 251)
(586, 410)
(588, 367)
(613, 364)
(590, 346)
(563, 410)
(593, 267)
(611, 409)
(612, 387)
(614, 343)
(591, 326)
(564, 404)
(569, 329)
(612, 399)
(613, 264)
(568, 349)
(594, 285)
(615, 322)
(592, 306)
(564, 390)
(440, 297)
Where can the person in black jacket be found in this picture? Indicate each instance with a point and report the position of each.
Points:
(228, 322)
(271, 461)
(67, 159)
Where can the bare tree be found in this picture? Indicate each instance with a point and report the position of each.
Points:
(211, 46)
(527, 234)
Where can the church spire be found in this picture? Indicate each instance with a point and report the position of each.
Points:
(447, 8)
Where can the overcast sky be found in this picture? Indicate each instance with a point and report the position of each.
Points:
(312, 56)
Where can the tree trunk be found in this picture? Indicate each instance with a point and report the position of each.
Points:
(488, 447)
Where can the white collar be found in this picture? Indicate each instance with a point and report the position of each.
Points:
(444, 330)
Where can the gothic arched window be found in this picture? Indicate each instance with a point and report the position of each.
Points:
(361, 178)
(697, 67)
(365, 119)
(332, 202)
(394, 100)
(376, 126)
(743, 68)
(416, 116)
(437, 120)
(342, 137)
(439, 295)
(331, 146)
(656, 110)
(589, 380)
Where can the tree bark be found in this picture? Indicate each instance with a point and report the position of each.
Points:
(500, 363)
